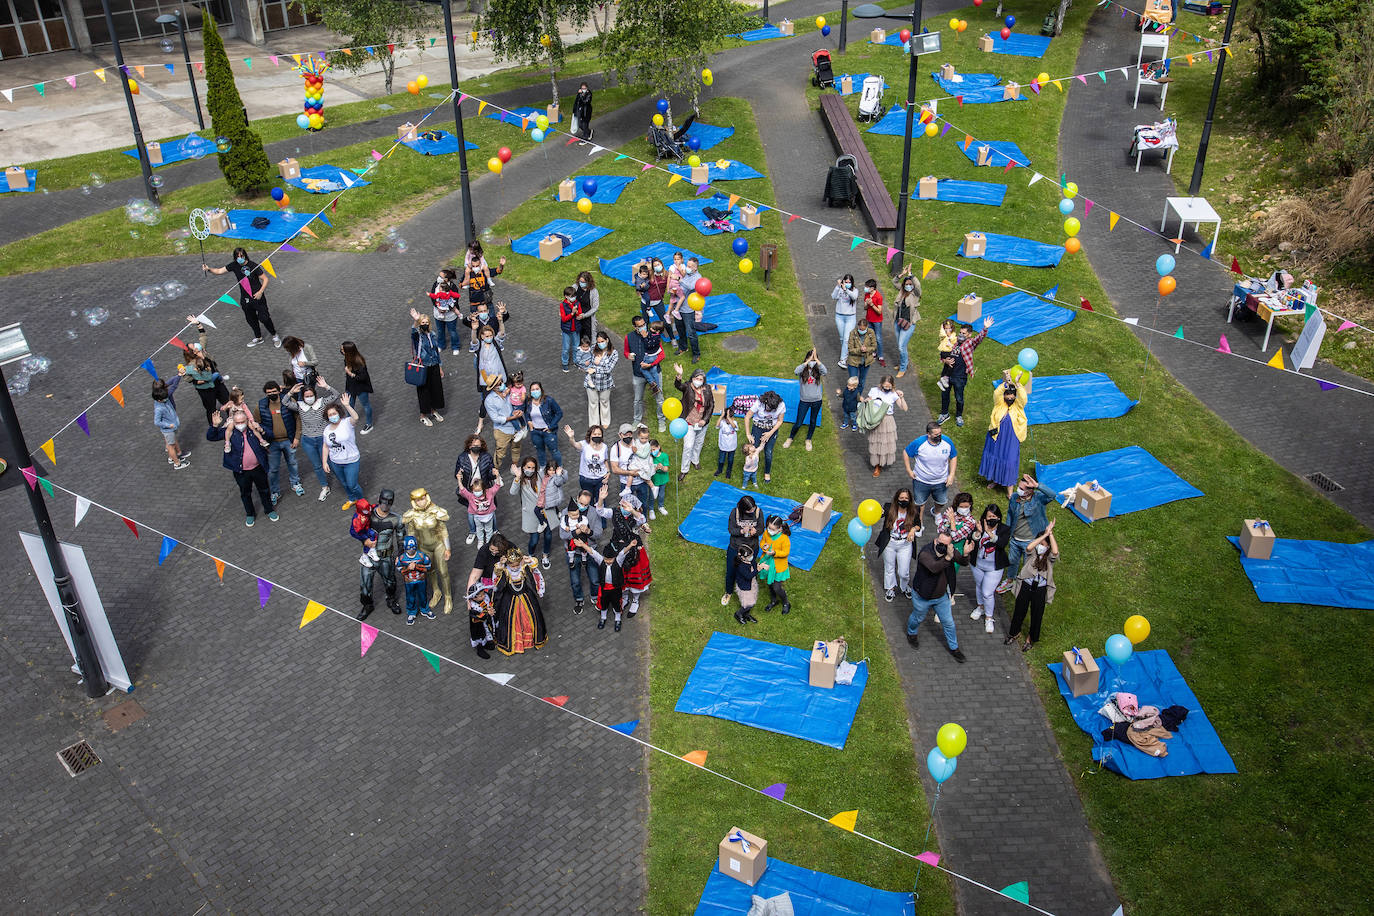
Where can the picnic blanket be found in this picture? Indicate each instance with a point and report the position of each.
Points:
(1003, 151)
(1019, 315)
(1136, 479)
(527, 112)
(582, 234)
(956, 191)
(281, 226)
(858, 82)
(326, 179)
(608, 188)
(192, 146)
(30, 174)
(705, 522)
(1300, 572)
(893, 124)
(789, 389)
(447, 143)
(761, 34)
(691, 210)
(728, 312)
(1012, 249)
(1088, 396)
(622, 268)
(709, 134)
(976, 88)
(813, 893)
(734, 171)
(1020, 44)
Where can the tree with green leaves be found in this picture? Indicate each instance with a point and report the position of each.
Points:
(1300, 49)
(245, 165)
(527, 31)
(372, 28)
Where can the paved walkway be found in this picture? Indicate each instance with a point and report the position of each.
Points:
(1302, 428)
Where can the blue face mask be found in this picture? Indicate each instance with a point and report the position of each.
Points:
(626, 512)
(242, 260)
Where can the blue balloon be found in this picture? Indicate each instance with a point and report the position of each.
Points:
(825, 30)
(278, 193)
(1010, 21)
(1119, 649)
(662, 106)
(940, 766)
(739, 246)
(1164, 265)
(1065, 206)
(859, 533)
(678, 428)
(588, 186)
(694, 143)
(1028, 359)
(303, 121)
(537, 135)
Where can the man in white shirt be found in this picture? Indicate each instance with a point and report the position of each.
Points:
(931, 461)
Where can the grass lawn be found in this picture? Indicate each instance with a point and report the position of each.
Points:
(1268, 675)
(690, 811)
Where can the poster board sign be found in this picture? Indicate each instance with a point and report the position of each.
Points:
(1304, 353)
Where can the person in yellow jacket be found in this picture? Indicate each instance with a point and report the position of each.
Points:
(1001, 464)
(775, 544)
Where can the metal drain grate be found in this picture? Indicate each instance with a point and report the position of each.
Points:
(78, 758)
(1324, 483)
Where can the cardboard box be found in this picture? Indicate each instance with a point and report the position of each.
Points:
(1092, 500)
(154, 152)
(947, 72)
(567, 190)
(846, 85)
(1080, 674)
(701, 174)
(975, 244)
(787, 27)
(218, 221)
(1158, 6)
(743, 856)
(985, 43)
(1256, 539)
(984, 154)
(289, 168)
(550, 248)
(406, 133)
(877, 36)
(16, 178)
(718, 392)
(552, 112)
(970, 309)
(825, 658)
(816, 512)
(749, 216)
(927, 187)
(1011, 91)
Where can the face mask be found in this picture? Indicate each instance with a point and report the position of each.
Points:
(242, 260)
(308, 399)
(240, 426)
(581, 284)
(1020, 493)
(1041, 550)
(198, 348)
(934, 440)
(441, 279)
(964, 511)
(597, 440)
(887, 390)
(486, 341)
(424, 328)
(697, 383)
(903, 502)
(333, 418)
(529, 472)
(583, 507)
(774, 532)
(658, 268)
(908, 287)
(536, 394)
(601, 344)
(625, 439)
(849, 286)
(272, 396)
(657, 452)
(990, 520)
(481, 316)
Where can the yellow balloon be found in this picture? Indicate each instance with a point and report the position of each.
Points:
(1137, 629)
(422, 81)
(951, 739)
(696, 301)
(870, 511)
(820, 22)
(1071, 226)
(1043, 78)
(694, 161)
(658, 120)
(706, 76)
(745, 265)
(1070, 190)
(494, 165)
(585, 205)
(932, 129)
(672, 408)
(954, 24)
(542, 122)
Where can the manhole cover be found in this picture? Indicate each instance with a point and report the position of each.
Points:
(740, 343)
(126, 713)
(78, 758)
(816, 309)
(1322, 482)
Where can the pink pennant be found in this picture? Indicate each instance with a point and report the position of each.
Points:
(376, 155)
(1010, 164)
(368, 638)
(776, 790)
(1224, 346)
(891, 253)
(1082, 79)
(930, 858)
(71, 81)
(276, 62)
(246, 288)
(647, 166)
(30, 476)
(462, 97)
(85, 424)
(1087, 206)
(1345, 326)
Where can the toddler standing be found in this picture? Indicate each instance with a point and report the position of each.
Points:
(849, 403)
(727, 440)
(751, 465)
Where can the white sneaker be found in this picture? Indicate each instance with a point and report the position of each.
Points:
(455, 352)
(987, 625)
(651, 515)
(520, 436)
(977, 613)
(276, 341)
(255, 341)
(365, 561)
(470, 539)
(324, 493)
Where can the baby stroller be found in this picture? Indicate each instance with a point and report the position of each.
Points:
(871, 99)
(821, 74)
(841, 185)
(664, 144)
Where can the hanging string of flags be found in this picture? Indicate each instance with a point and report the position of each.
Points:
(368, 635)
(1154, 26)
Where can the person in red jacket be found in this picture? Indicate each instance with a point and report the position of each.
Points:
(569, 311)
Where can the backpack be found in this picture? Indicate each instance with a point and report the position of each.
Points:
(871, 413)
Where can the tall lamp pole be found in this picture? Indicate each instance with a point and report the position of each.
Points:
(133, 115)
(169, 19)
(844, 23)
(469, 225)
(1195, 184)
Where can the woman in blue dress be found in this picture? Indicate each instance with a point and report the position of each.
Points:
(1001, 464)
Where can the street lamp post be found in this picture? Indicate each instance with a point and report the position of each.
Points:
(469, 225)
(133, 115)
(169, 19)
(1195, 184)
(844, 25)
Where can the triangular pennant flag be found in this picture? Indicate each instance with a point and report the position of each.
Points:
(846, 820)
(1051, 293)
(101, 74)
(1058, 85)
(1035, 176)
(118, 394)
(1064, 180)
(1010, 164)
(930, 858)
(200, 66)
(571, 141)
(377, 156)
(524, 124)
(1277, 360)
(891, 252)
(1345, 326)
(481, 107)
(140, 71)
(248, 61)
(171, 68)
(960, 100)
(776, 790)
(556, 701)
(168, 545)
(1207, 250)
(132, 526)
(38, 88)
(620, 156)
(369, 636)
(178, 343)
(313, 609)
(50, 449)
(276, 61)
(821, 233)
(1103, 74)
(147, 366)
(324, 219)
(855, 243)
(672, 180)
(1306, 314)
(926, 265)
(1035, 86)
(83, 505)
(502, 679)
(310, 232)
(8, 93)
(30, 476)
(71, 80)
(219, 568)
(431, 658)
(961, 275)
(1112, 217)
(1082, 79)
(1020, 891)
(247, 288)
(391, 48)
(287, 246)
(229, 299)
(647, 166)
(695, 757)
(1085, 304)
(1235, 265)
(1135, 321)
(1119, 911)
(297, 59)
(348, 51)
(1326, 386)
(346, 179)
(701, 189)
(944, 129)
(1125, 71)
(47, 486)
(1189, 58)
(267, 262)
(1087, 206)
(626, 728)
(1179, 333)
(264, 592)
(734, 199)
(1224, 346)
(792, 217)
(967, 141)
(595, 149)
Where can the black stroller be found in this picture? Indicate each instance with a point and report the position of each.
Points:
(821, 74)
(841, 185)
(669, 144)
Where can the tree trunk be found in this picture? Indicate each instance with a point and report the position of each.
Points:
(553, 80)
(389, 69)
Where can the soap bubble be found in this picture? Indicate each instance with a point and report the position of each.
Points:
(385, 107)
(97, 181)
(133, 234)
(223, 144)
(289, 211)
(71, 335)
(196, 146)
(35, 365)
(156, 181)
(402, 245)
(173, 289)
(167, 46)
(519, 356)
(487, 235)
(96, 315)
(19, 384)
(148, 292)
(181, 246)
(86, 189)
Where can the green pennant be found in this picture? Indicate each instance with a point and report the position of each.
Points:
(1179, 333)
(432, 41)
(47, 487)
(1307, 312)
(38, 88)
(431, 658)
(856, 243)
(1064, 180)
(621, 156)
(1103, 74)
(229, 299)
(249, 62)
(1020, 892)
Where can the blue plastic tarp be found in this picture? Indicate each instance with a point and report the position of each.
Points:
(528, 112)
(447, 143)
(1020, 315)
(1153, 678)
(789, 389)
(765, 685)
(976, 88)
(180, 150)
(1313, 572)
(957, 191)
(1012, 249)
(690, 210)
(893, 124)
(622, 268)
(761, 34)
(1136, 479)
(735, 171)
(857, 81)
(30, 174)
(705, 523)
(1088, 396)
(582, 234)
(1020, 44)
(326, 179)
(893, 40)
(709, 134)
(728, 312)
(813, 893)
(608, 187)
(281, 226)
(1003, 151)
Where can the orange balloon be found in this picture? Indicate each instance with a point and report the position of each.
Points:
(413, 87)
(963, 24)
(1167, 285)
(1072, 246)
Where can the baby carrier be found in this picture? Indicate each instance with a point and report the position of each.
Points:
(821, 74)
(871, 99)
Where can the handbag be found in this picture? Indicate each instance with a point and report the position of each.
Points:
(416, 371)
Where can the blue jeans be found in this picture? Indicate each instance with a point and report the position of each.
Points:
(767, 447)
(533, 549)
(570, 342)
(314, 447)
(575, 563)
(1016, 552)
(722, 460)
(750, 477)
(278, 449)
(851, 417)
(363, 401)
(348, 475)
(903, 337)
(844, 324)
(877, 327)
(921, 608)
(660, 492)
(925, 491)
(545, 442)
(687, 332)
(446, 331)
(805, 409)
(859, 372)
(644, 493)
(956, 385)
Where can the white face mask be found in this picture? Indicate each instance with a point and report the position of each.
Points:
(697, 383)
(1041, 549)
(529, 472)
(963, 510)
(332, 418)
(240, 426)
(308, 400)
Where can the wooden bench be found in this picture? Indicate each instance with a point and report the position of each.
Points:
(874, 198)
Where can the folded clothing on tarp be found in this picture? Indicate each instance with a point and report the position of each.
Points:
(765, 685)
(976, 88)
(692, 209)
(30, 174)
(705, 522)
(761, 34)
(608, 188)
(1020, 44)
(622, 268)
(325, 179)
(789, 389)
(1302, 572)
(1019, 315)
(1003, 151)
(1136, 479)
(192, 146)
(1012, 249)
(813, 893)
(1087, 396)
(957, 191)
(728, 312)
(447, 143)
(1153, 678)
(580, 235)
(281, 226)
(733, 171)
(708, 134)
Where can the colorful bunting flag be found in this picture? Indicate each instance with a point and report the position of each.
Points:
(626, 728)
(776, 790)
(846, 820)
(620, 156)
(1085, 304)
(30, 476)
(229, 299)
(313, 609)
(1307, 311)
(8, 94)
(131, 525)
(672, 180)
(267, 262)
(219, 568)
(1112, 217)
(967, 141)
(118, 394)
(944, 129)
(38, 88)
(1020, 891)
(1224, 346)
(1103, 74)
(792, 217)
(1326, 386)
(855, 243)
(734, 199)
(930, 858)
(101, 74)
(1035, 86)
(1179, 333)
(1277, 360)
(431, 658)
(248, 61)
(50, 449)
(926, 266)
(1345, 326)
(891, 252)
(481, 107)
(695, 757)
(264, 592)
(276, 61)
(1010, 165)
(961, 275)
(701, 188)
(168, 545)
(71, 80)
(147, 366)
(1235, 265)
(178, 343)
(46, 485)
(142, 73)
(1136, 321)
(1082, 79)
(376, 155)
(1207, 250)
(83, 505)
(1035, 176)
(369, 636)
(1087, 206)
(561, 700)
(247, 288)
(171, 68)
(822, 232)
(502, 679)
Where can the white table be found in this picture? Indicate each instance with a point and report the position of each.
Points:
(1193, 210)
